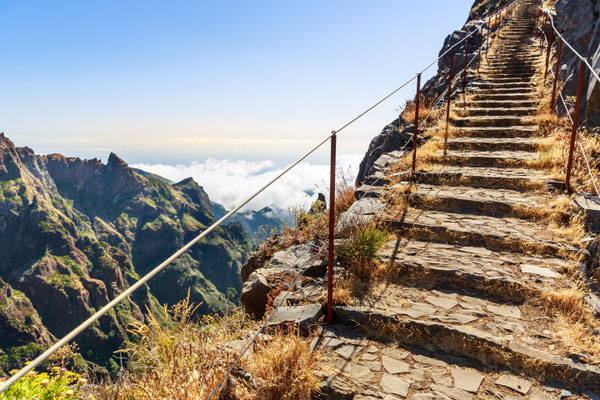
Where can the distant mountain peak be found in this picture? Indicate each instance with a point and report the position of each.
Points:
(115, 161)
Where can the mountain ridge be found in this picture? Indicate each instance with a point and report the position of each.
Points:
(75, 233)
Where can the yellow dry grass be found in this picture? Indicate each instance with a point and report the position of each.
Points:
(181, 359)
(574, 320)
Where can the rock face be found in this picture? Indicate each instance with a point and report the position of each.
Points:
(397, 134)
(262, 274)
(75, 233)
(579, 20)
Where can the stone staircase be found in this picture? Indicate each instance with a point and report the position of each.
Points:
(466, 313)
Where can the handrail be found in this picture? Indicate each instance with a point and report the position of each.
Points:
(92, 319)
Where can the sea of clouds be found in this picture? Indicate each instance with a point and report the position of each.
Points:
(229, 182)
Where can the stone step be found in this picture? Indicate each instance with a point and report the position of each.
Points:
(513, 91)
(501, 85)
(501, 103)
(497, 121)
(362, 367)
(502, 96)
(511, 337)
(477, 111)
(513, 64)
(503, 276)
(505, 234)
(510, 70)
(491, 131)
(494, 158)
(507, 178)
(506, 78)
(496, 202)
(495, 74)
(495, 143)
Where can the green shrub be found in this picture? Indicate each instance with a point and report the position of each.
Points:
(360, 249)
(58, 384)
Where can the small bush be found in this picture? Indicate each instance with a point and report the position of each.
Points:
(58, 384)
(360, 249)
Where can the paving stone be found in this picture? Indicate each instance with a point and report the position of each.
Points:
(417, 374)
(476, 250)
(441, 379)
(453, 393)
(372, 365)
(466, 379)
(394, 366)
(332, 342)
(505, 311)
(306, 316)
(518, 384)
(395, 385)
(441, 302)
(532, 269)
(372, 349)
(538, 394)
(353, 370)
(430, 396)
(395, 353)
(463, 318)
(429, 361)
(369, 357)
(348, 351)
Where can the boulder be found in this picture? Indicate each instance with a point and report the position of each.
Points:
(390, 139)
(590, 205)
(254, 294)
(360, 212)
(305, 316)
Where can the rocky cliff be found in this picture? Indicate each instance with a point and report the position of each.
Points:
(75, 233)
(580, 22)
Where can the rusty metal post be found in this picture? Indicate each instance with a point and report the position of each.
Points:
(448, 103)
(550, 42)
(417, 98)
(331, 257)
(479, 51)
(553, 100)
(487, 40)
(575, 126)
(465, 72)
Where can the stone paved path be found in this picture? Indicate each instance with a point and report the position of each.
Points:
(464, 314)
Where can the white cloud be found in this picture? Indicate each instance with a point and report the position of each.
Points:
(230, 182)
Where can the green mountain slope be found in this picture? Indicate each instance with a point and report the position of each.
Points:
(75, 233)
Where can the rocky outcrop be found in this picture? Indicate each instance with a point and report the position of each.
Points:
(580, 23)
(262, 277)
(75, 233)
(397, 134)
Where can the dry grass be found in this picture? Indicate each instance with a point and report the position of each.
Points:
(557, 132)
(574, 321)
(186, 360)
(284, 368)
(408, 114)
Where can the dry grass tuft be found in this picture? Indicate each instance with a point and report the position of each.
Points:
(575, 321)
(408, 114)
(186, 360)
(282, 368)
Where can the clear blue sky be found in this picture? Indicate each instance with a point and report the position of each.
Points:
(176, 81)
